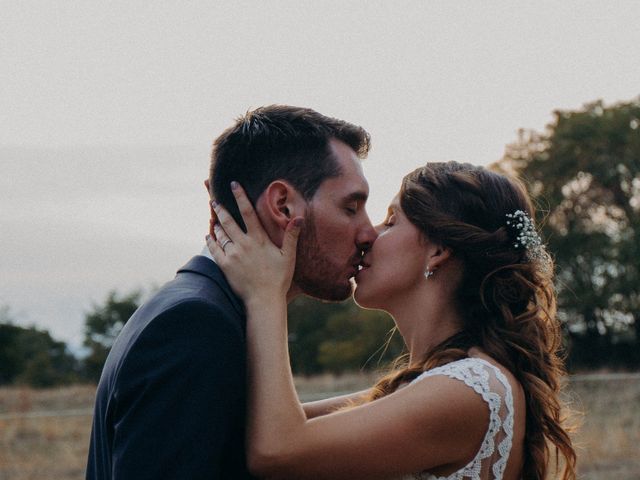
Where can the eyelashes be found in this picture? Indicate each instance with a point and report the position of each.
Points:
(389, 222)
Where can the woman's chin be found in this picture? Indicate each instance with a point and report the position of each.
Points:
(360, 296)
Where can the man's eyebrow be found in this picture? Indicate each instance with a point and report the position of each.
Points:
(360, 196)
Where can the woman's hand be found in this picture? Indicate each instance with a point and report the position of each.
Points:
(255, 268)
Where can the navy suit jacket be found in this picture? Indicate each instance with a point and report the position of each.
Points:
(171, 399)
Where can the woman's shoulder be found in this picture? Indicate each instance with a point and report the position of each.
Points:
(480, 376)
(479, 371)
(488, 379)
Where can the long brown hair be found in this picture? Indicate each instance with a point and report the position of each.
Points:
(507, 295)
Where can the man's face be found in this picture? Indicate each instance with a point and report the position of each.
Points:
(337, 231)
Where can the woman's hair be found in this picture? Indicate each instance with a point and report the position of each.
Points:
(506, 296)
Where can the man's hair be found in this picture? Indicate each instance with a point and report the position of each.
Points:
(279, 142)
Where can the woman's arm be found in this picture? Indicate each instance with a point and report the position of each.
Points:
(433, 423)
(409, 431)
(328, 405)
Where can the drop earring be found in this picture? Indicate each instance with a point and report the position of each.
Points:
(428, 273)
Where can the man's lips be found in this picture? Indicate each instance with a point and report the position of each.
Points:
(355, 268)
(361, 266)
(358, 264)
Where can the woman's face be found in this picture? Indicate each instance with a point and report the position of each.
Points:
(395, 264)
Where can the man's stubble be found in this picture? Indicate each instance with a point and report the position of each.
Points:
(315, 274)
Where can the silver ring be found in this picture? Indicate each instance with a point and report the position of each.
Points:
(224, 244)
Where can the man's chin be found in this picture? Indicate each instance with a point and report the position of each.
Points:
(328, 293)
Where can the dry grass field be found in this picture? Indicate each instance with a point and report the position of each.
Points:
(44, 433)
(608, 441)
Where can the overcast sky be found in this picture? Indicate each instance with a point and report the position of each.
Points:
(108, 111)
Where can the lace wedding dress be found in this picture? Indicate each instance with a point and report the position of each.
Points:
(489, 382)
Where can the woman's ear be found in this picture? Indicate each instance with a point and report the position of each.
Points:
(437, 257)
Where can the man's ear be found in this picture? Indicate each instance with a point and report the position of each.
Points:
(282, 202)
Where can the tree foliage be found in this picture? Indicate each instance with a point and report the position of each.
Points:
(102, 326)
(30, 356)
(338, 337)
(584, 173)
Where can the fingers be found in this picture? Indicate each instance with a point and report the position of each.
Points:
(233, 231)
(221, 237)
(218, 243)
(246, 209)
(212, 227)
(231, 228)
(216, 252)
(291, 235)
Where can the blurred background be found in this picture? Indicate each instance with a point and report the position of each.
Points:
(108, 112)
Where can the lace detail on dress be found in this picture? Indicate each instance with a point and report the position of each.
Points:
(488, 381)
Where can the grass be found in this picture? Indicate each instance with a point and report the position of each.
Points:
(608, 441)
(36, 447)
(45, 433)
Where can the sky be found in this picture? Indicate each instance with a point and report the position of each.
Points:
(108, 111)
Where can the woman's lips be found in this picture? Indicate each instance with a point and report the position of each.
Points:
(361, 268)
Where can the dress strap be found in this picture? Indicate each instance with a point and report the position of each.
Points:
(488, 381)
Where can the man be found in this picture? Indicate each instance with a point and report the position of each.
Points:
(170, 402)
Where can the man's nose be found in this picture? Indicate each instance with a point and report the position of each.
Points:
(366, 236)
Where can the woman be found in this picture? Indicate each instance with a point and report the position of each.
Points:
(459, 266)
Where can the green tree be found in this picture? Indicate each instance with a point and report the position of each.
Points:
(359, 339)
(102, 326)
(337, 337)
(584, 172)
(10, 361)
(31, 356)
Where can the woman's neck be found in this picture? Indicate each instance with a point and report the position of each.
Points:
(425, 321)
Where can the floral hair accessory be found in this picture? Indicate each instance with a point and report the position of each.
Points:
(528, 237)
